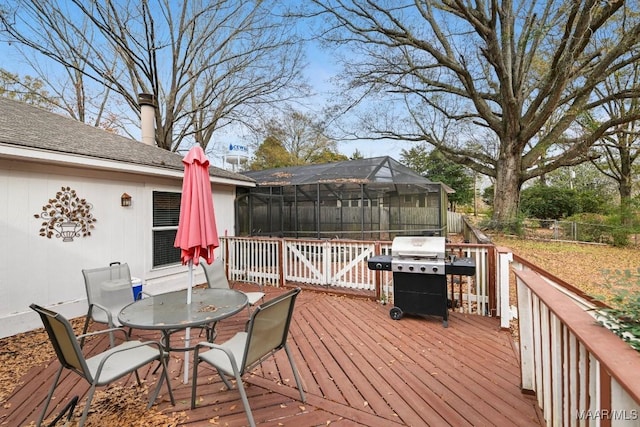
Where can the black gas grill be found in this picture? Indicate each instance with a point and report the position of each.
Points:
(419, 275)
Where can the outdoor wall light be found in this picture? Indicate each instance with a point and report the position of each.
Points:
(125, 200)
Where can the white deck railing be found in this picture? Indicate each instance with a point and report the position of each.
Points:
(343, 264)
(580, 372)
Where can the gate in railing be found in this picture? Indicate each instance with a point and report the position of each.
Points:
(329, 264)
(343, 264)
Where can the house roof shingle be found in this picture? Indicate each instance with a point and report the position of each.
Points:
(26, 126)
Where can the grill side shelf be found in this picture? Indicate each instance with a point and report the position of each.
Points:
(461, 266)
(379, 262)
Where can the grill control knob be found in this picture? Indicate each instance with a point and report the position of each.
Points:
(422, 268)
(399, 267)
(435, 269)
(411, 268)
(379, 266)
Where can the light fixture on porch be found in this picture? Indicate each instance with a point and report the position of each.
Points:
(125, 200)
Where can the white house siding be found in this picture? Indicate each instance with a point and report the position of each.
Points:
(35, 269)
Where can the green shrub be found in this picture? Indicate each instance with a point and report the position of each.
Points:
(544, 202)
(594, 201)
(620, 237)
(587, 227)
(623, 296)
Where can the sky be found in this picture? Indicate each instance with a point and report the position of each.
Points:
(320, 70)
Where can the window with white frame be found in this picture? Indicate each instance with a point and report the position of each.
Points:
(166, 214)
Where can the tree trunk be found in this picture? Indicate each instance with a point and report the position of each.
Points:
(626, 214)
(507, 188)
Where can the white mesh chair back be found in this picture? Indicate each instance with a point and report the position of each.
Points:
(217, 278)
(109, 288)
(215, 274)
(268, 328)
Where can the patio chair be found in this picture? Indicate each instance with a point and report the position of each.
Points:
(103, 368)
(217, 278)
(265, 334)
(108, 291)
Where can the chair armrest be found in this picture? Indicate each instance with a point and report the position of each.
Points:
(146, 294)
(104, 331)
(216, 347)
(129, 348)
(259, 285)
(101, 307)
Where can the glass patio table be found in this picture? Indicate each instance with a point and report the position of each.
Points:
(169, 312)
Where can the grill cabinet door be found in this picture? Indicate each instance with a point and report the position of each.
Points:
(421, 294)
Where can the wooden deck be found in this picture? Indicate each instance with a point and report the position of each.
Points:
(358, 367)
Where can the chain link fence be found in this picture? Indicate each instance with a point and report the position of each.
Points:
(580, 232)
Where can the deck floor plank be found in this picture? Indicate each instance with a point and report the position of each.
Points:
(358, 367)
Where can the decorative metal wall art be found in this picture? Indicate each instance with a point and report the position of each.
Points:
(66, 216)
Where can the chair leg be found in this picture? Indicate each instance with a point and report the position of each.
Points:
(112, 340)
(137, 377)
(46, 404)
(85, 412)
(225, 380)
(295, 372)
(164, 376)
(212, 333)
(194, 379)
(85, 328)
(165, 342)
(245, 401)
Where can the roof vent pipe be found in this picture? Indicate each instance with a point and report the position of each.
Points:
(148, 106)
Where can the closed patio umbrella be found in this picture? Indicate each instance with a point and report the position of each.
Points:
(197, 235)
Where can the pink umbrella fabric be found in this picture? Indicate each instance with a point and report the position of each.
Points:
(197, 234)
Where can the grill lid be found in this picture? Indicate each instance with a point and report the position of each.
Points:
(419, 246)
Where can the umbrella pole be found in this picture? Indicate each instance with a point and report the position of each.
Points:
(187, 334)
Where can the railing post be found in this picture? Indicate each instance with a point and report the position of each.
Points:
(281, 262)
(326, 259)
(525, 336)
(504, 262)
(377, 276)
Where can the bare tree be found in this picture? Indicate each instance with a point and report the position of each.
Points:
(293, 139)
(76, 96)
(449, 71)
(619, 146)
(208, 64)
